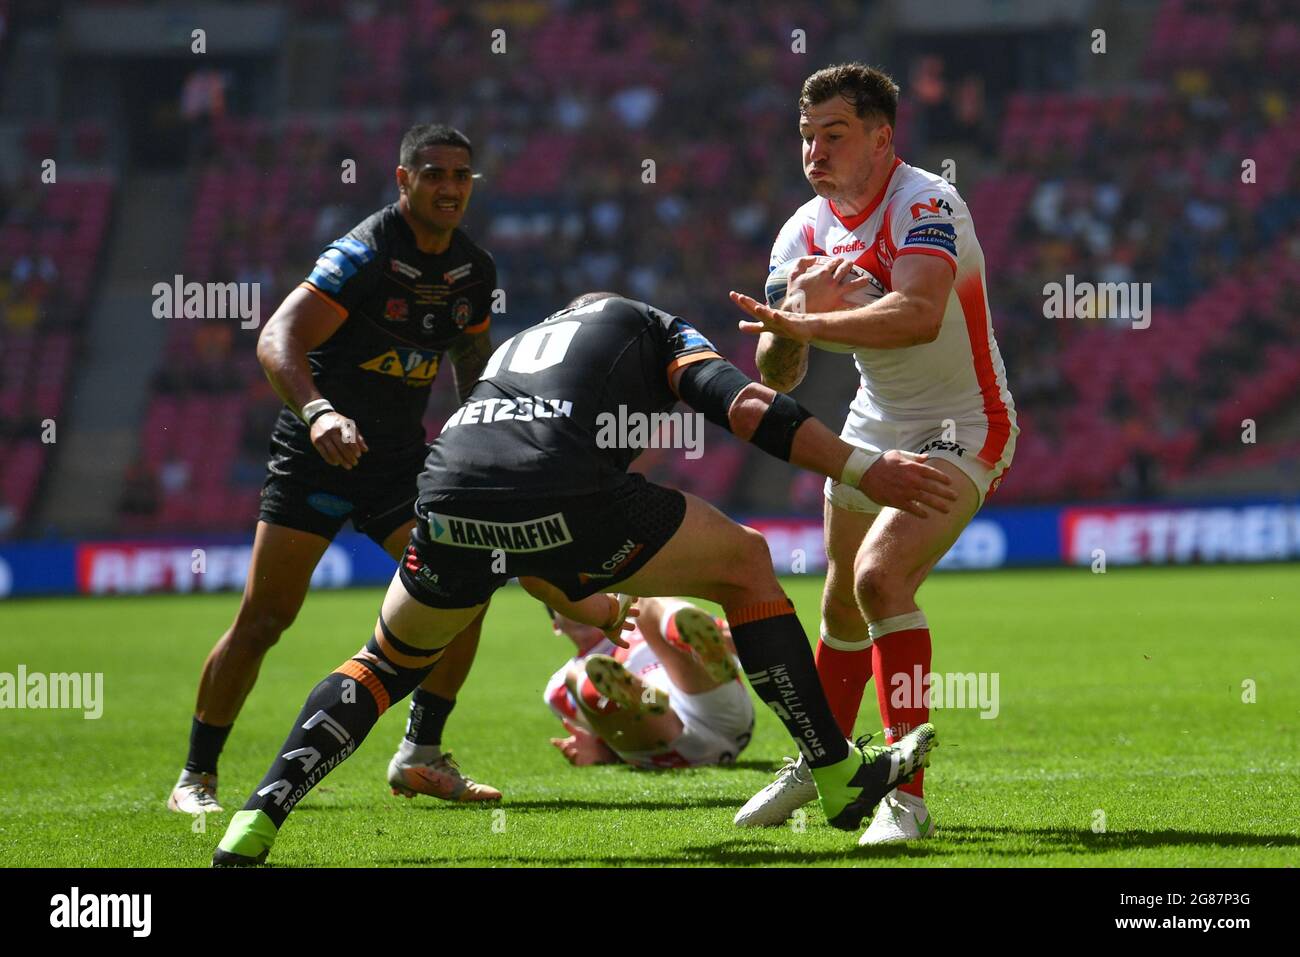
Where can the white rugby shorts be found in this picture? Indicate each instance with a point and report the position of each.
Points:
(960, 445)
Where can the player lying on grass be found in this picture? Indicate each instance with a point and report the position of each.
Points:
(353, 351)
(932, 381)
(520, 484)
(671, 699)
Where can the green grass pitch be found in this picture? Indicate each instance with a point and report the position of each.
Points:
(1122, 738)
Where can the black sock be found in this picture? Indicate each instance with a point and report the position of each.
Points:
(206, 742)
(429, 713)
(773, 649)
(339, 713)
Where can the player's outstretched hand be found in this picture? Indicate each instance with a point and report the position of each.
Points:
(338, 440)
(904, 481)
(779, 322)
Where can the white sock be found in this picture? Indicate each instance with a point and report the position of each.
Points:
(410, 753)
(905, 622)
(839, 644)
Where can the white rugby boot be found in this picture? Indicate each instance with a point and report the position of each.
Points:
(441, 778)
(194, 793)
(899, 817)
(793, 788)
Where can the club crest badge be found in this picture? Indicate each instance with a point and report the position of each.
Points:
(460, 313)
(395, 310)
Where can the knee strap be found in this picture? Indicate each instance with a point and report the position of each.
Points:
(395, 680)
(409, 650)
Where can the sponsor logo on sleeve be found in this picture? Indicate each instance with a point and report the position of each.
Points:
(934, 207)
(339, 263)
(356, 249)
(332, 270)
(692, 338)
(939, 235)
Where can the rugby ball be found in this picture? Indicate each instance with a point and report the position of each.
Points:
(779, 278)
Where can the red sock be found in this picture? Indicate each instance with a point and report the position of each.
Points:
(844, 674)
(903, 652)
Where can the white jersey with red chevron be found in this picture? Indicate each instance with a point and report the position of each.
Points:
(959, 375)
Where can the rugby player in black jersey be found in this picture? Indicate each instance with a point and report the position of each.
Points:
(353, 351)
(527, 480)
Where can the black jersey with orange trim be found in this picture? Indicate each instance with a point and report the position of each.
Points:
(403, 308)
(564, 407)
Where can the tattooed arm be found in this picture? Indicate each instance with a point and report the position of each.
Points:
(468, 357)
(781, 362)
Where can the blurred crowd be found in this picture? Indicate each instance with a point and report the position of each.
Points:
(1189, 181)
(651, 148)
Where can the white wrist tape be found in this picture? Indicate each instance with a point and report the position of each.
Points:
(620, 604)
(859, 461)
(315, 406)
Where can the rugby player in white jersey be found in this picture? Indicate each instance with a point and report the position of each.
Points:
(671, 699)
(932, 385)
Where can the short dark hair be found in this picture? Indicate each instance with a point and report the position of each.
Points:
(424, 135)
(871, 91)
(587, 298)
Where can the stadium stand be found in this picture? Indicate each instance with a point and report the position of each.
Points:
(1141, 181)
(50, 243)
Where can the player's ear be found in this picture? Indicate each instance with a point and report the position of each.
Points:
(883, 136)
(403, 179)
